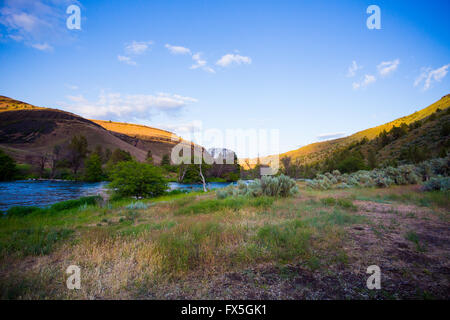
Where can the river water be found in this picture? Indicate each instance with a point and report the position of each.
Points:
(46, 192)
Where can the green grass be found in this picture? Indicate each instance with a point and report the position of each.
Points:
(414, 238)
(343, 203)
(214, 205)
(284, 241)
(184, 250)
(336, 217)
(32, 241)
(132, 230)
(19, 211)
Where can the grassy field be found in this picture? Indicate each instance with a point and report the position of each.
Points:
(316, 245)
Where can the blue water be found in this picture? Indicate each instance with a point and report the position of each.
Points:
(44, 193)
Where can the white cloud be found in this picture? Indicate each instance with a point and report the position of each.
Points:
(126, 60)
(328, 136)
(178, 49)
(138, 47)
(352, 69)
(201, 63)
(230, 58)
(38, 24)
(21, 20)
(42, 46)
(387, 67)
(110, 105)
(430, 75)
(368, 79)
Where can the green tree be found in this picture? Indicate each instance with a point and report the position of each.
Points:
(372, 159)
(165, 161)
(8, 168)
(78, 149)
(149, 158)
(351, 164)
(120, 155)
(93, 171)
(137, 179)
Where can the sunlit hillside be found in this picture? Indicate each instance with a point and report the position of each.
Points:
(138, 131)
(319, 150)
(8, 104)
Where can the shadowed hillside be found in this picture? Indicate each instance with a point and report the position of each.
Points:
(27, 132)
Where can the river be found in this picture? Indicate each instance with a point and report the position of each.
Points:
(42, 193)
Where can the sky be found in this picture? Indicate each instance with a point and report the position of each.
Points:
(312, 70)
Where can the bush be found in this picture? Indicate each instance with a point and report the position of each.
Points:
(280, 186)
(8, 169)
(138, 205)
(137, 180)
(401, 175)
(438, 183)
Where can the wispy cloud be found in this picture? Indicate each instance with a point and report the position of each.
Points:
(429, 75)
(387, 67)
(138, 47)
(177, 49)
(126, 60)
(351, 72)
(230, 58)
(368, 79)
(42, 46)
(125, 107)
(328, 136)
(39, 23)
(201, 63)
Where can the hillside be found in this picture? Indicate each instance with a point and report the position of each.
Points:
(139, 131)
(27, 132)
(320, 150)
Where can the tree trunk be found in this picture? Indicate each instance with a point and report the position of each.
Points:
(203, 178)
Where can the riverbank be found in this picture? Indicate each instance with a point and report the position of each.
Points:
(316, 245)
(45, 192)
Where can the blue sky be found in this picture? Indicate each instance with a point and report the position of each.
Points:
(311, 69)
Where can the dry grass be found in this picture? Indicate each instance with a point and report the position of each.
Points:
(159, 253)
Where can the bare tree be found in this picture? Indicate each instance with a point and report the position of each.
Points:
(201, 175)
(42, 160)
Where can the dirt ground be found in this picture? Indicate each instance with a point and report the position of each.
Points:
(409, 270)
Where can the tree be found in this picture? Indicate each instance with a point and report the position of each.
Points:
(99, 151)
(54, 159)
(137, 179)
(43, 158)
(8, 168)
(286, 162)
(78, 149)
(120, 155)
(93, 172)
(149, 158)
(372, 159)
(351, 164)
(165, 161)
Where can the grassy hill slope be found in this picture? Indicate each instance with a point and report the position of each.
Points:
(318, 151)
(27, 132)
